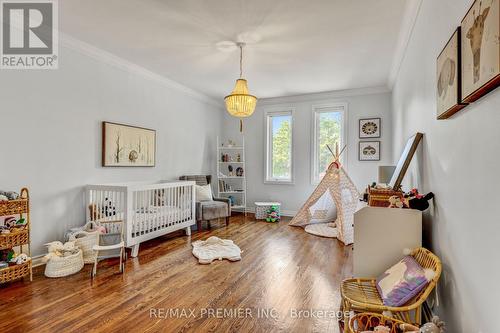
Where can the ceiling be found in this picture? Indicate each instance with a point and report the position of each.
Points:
(293, 46)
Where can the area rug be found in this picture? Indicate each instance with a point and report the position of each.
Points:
(215, 248)
(322, 229)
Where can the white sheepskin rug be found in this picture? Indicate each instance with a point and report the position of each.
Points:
(322, 229)
(215, 248)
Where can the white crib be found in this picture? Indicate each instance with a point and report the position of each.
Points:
(148, 210)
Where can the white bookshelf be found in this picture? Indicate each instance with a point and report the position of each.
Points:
(232, 185)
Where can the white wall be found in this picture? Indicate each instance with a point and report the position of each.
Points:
(50, 122)
(361, 104)
(459, 163)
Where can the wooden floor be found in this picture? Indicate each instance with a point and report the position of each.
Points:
(283, 270)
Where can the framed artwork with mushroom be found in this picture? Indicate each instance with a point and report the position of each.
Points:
(449, 97)
(480, 50)
(128, 146)
(369, 151)
(369, 128)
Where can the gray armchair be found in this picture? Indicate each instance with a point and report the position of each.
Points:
(209, 210)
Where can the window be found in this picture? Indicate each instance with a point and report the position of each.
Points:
(279, 159)
(328, 129)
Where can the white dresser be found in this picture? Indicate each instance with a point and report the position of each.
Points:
(380, 237)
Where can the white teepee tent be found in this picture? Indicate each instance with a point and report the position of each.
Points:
(335, 185)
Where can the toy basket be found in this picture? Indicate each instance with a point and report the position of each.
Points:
(64, 266)
(15, 272)
(261, 209)
(17, 238)
(368, 321)
(380, 198)
(86, 240)
(13, 207)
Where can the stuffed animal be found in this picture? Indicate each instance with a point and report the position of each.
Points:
(3, 198)
(396, 202)
(418, 201)
(273, 214)
(435, 326)
(59, 249)
(12, 195)
(379, 329)
(21, 259)
(94, 212)
(9, 221)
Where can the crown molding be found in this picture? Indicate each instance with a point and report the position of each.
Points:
(108, 58)
(335, 94)
(405, 33)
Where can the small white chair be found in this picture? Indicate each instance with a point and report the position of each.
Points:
(111, 245)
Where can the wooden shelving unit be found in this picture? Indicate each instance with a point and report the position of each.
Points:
(239, 190)
(20, 239)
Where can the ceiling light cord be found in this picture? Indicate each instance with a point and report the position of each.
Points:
(241, 60)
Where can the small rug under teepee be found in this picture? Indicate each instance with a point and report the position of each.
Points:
(215, 248)
(322, 229)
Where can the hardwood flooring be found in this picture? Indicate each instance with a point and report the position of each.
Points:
(283, 271)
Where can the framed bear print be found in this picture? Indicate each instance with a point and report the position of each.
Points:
(480, 50)
(449, 97)
(369, 151)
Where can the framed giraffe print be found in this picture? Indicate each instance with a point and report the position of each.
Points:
(480, 50)
(449, 94)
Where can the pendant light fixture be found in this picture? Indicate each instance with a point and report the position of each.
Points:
(240, 103)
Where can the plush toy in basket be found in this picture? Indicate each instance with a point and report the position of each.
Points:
(62, 259)
(273, 214)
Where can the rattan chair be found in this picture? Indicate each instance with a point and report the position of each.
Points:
(361, 294)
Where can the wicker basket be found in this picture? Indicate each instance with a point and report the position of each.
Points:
(368, 321)
(261, 209)
(15, 272)
(380, 198)
(86, 240)
(8, 241)
(64, 266)
(13, 207)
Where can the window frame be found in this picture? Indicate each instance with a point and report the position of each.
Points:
(341, 107)
(281, 111)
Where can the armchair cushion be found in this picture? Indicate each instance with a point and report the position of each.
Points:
(211, 210)
(204, 193)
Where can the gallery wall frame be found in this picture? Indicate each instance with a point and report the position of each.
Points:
(369, 151)
(370, 128)
(449, 78)
(480, 50)
(127, 145)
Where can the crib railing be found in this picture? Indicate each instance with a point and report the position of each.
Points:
(148, 210)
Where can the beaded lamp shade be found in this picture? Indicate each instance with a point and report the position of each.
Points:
(240, 103)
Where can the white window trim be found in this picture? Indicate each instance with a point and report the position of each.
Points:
(341, 107)
(267, 152)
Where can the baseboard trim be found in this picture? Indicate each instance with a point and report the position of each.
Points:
(38, 260)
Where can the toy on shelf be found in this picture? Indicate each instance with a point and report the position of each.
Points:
(239, 171)
(273, 214)
(10, 195)
(14, 234)
(412, 200)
